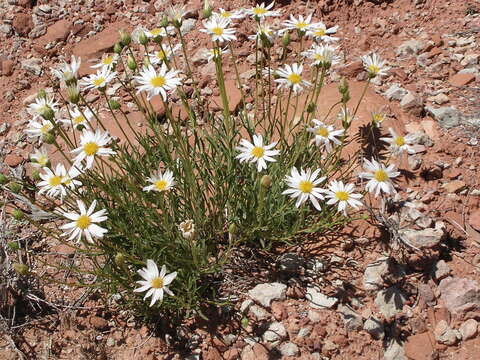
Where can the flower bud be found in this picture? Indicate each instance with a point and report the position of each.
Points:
(266, 181)
(3, 179)
(15, 187)
(232, 229)
(21, 269)
(73, 94)
(142, 38)
(48, 138)
(42, 94)
(286, 39)
(117, 48)
(343, 86)
(36, 175)
(207, 10)
(18, 214)
(131, 63)
(125, 38)
(311, 107)
(164, 22)
(146, 61)
(13, 245)
(114, 105)
(48, 113)
(119, 259)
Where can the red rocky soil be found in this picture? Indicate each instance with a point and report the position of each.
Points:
(413, 305)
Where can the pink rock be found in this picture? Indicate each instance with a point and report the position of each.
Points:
(461, 296)
(22, 23)
(7, 67)
(461, 79)
(13, 160)
(56, 32)
(474, 219)
(469, 329)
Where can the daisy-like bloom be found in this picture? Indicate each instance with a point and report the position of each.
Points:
(264, 32)
(374, 65)
(159, 32)
(38, 129)
(379, 176)
(399, 143)
(343, 195)
(78, 119)
(320, 32)
(85, 222)
(163, 55)
(345, 116)
(69, 179)
(176, 14)
(229, 14)
(291, 77)
(92, 144)
(52, 183)
(40, 158)
(187, 228)
(218, 28)
(160, 181)
(155, 282)
(257, 152)
(68, 72)
(323, 55)
(325, 135)
(107, 62)
(302, 25)
(157, 83)
(378, 118)
(303, 186)
(261, 11)
(98, 80)
(214, 54)
(42, 106)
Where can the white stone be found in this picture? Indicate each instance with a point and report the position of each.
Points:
(288, 349)
(275, 333)
(264, 294)
(318, 300)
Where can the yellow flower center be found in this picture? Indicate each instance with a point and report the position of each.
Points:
(226, 14)
(45, 128)
(318, 57)
(98, 81)
(156, 283)
(294, 78)
(320, 32)
(78, 119)
(373, 69)
(108, 60)
(161, 185)
(42, 160)
(67, 181)
(378, 118)
(399, 141)
(90, 148)
(217, 30)
(301, 25)
(342, 195)
(380, 175)
(259, 11)
(161, 55)
(305, 186)
(158, 81)
(156, 31)
(323, 132)
(55, 180)
(257, 151)
(83, 222)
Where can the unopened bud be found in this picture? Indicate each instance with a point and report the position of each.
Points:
(164, 22)
(18, 214)
(343, 86)
(3, 179)
(125, 38)
(21, 269)
(311, 107)
(146, 61)
(142, 38)
(117, 48)
(36, 175)
(119, 259)
(131, 63)
(114, 105)
(232, 229)
(73, 94)
(265, 42)
(42, 94)
(266, 181)
(15, 187)
(207, 10)
(48, 138)
(13, 245)
(286, 39)
(48, 113)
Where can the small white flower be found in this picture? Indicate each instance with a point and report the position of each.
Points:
(52, 183)
(343, 195)
(163, 55)
(41, 105)
(303, 186)
(291, 77)
(264, 31)
(85, 222)
(345, 116)
(218, 28)
(323, 55)
(69, 178)
(257, 152)
(187, 228)
(159, 32)
(108, 62)
(214, 54)
(68, 72)
(40, 158)
(325, 134)
(261, 11)
(301, 24)
(176, 13)
(379, 177)
(98, 80)
(78, 119)
(38, 129)
(229, 14)
(92, 144)
(155, 282)
(320, 32)
(160, 181)
(374, 65)
(378, 118)
(399, 143)
(157, 83)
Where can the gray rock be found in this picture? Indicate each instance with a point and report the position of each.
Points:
(264, 294)
(374, 327)
(441, 270)
(412, 103)
(425, 238)
(375, 272)
(6, 29)
(246, 305)
(32, 65)
(318, 300)
(314, 316)
(390, 301)
(446, 335)
(352, 320)
(199, 57)
(275, 333)
(304, 332)
(414, 162)
(288, 349)
(410, 48)
(187, 26)
(259, 313)
(447, 116)
(439, 99)
(394, 351)
(4, 127)
(468, 329)
(461, 296)
(420, 138)
(290, 262)
(395, 92)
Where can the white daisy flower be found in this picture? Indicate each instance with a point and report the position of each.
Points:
(160, 181)
(215, 53)
(325, 135)
(291, 77)
(187, 228)
(345, 116)
(159, 32)
(343, 195)
(374, 65)
(155, 282)
(40, 158)
(378, 118)
(399, 143)
(218, 28)
(303, 186)
(163, 55)
(85, 222)
(78, 119)
(257, 152)
(229, 14)
(319, 32)
(98, 80)
(68, 72)
(301, 24)
(176, 13)
(108, 62)
(42, 105)
(264, 32)
(52, 183)
(157, 83)
(261, 11)
(69, 179)
(323, 55)
(379, 177)
(38, 129)
(92, 144)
